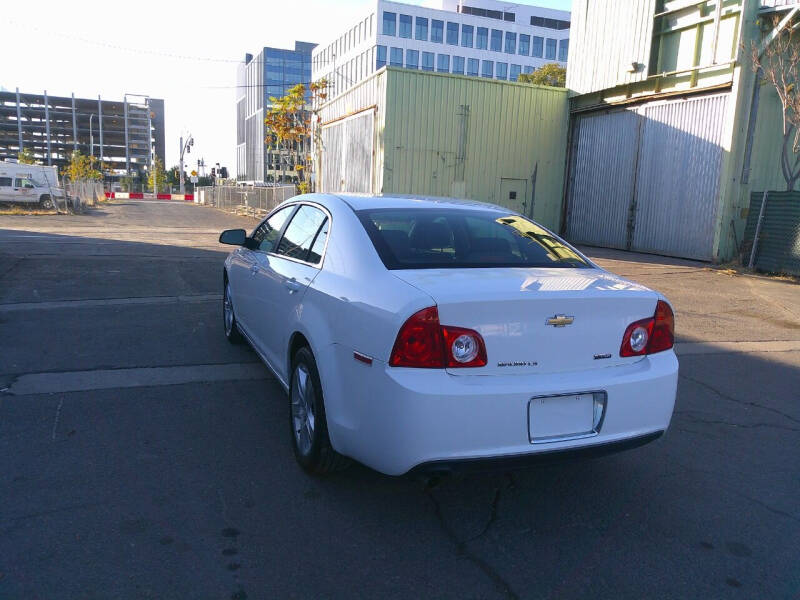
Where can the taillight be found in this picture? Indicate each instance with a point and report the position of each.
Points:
(463, 347)
(423, 343)
(652, 335)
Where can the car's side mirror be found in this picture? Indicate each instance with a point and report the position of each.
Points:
(233, 237)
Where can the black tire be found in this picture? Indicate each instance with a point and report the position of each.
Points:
(231, 328)
(46, 202)
(318, 457)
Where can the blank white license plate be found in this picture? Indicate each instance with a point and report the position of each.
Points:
(560, 416)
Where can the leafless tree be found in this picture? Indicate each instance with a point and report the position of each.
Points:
(778, 64)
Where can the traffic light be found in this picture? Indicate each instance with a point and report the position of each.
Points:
(223, 172)
(213, 173)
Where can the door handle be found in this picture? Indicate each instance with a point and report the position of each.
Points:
(292, 285)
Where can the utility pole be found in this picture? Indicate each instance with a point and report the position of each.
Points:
(184, 148)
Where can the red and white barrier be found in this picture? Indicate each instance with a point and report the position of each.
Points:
(140, 196)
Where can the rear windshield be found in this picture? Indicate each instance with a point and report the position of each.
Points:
(432, 238)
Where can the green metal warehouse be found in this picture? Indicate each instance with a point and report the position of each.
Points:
(415, 132)
(669, 133)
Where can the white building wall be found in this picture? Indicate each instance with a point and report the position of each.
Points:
(359, 51)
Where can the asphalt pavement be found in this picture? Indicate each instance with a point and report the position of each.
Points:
(142, 456)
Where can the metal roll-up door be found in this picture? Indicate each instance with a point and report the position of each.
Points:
(603, 179)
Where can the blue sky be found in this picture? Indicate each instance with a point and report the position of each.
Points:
(185, 53)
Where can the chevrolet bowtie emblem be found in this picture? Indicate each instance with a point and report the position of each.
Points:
(560, 321)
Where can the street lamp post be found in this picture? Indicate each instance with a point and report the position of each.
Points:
(184, 148)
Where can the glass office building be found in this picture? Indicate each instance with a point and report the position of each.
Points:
(269, 74)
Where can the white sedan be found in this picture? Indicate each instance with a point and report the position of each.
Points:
(430, 334)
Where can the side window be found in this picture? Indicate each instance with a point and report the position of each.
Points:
(266, 235)
(300, 233)
(5, 181)
(315, 254)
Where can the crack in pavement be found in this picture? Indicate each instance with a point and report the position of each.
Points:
(500, 583)
(737, 401)
(687, 414)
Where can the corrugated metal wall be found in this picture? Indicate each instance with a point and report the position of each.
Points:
(332, 150)
(778, 248)
(606, 37)
(605, 146)
(448, 135)
(370, 93)
(348, 147)
(647, 177)
(678, 177)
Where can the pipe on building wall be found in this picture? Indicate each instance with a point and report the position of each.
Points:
(47, 127)
(19, 122)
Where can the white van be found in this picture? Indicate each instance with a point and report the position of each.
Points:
(34, 184)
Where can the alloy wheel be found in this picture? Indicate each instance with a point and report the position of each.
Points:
(303, 418)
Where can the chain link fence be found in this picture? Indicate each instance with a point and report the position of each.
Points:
(246, 201)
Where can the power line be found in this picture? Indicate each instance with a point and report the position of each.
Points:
(124, 48)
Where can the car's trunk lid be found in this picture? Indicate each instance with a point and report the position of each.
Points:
(538, 320)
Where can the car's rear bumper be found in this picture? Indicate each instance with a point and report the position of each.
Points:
(397, 419)
(520, 461)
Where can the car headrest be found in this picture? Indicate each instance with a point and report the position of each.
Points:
(397, 241)
(428, 235)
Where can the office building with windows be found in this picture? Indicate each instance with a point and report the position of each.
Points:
(268, 74)
(477, 38)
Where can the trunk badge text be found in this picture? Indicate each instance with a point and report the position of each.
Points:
(559, 321)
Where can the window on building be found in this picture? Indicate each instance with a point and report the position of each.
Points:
(458, 65)
(380, 57)
(443, 63)
(501, 72)
(497, 40)
(472, 67)
(412, 59)
(396, 57)
(511, 42)
(524, 44)
(421, 32)
(538, 46)
(437, 31)
(528, 69)
(427, 61)
(491, 14)
(514, 71)
(549, 23)
(405, 26)
(452, 33)
(466, 35)
(389, 23)
(550, 49)
(563, 48)
(487, 68)
(482, 38)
